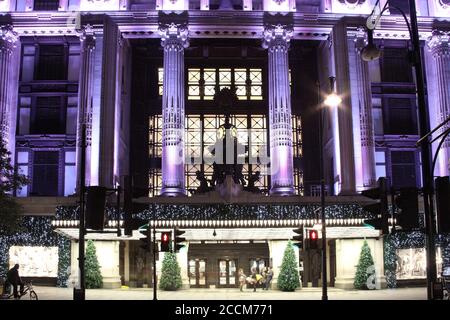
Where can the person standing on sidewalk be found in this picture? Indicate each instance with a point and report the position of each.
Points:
(269, 276)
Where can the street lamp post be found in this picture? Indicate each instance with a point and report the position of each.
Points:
(370, 53)
(322, 203)
(331, 101)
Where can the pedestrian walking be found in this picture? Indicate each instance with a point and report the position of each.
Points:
(269, 277)
(242, 278)
(254, 278)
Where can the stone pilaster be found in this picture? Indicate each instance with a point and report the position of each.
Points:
(346, 152)
(276, 40)
(365, 114)
(85, 97)
(174, 38)
(8, 42)
(439, 46)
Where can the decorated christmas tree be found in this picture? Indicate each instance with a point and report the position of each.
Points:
(170, 273)
(94, 277)
(288, 280)
(365, 269)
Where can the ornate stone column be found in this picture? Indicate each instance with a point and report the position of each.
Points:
(346, 153)
(439, 46)
(85, 99)
(276, 40)
(365, 114)
(174, 38)
(8, 40)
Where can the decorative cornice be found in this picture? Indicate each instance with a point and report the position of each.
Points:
(277, 36)
(438, 43)
(175, 36)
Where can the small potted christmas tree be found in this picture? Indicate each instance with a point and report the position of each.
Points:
(288, 280)
(94, 277)
(365, 269)
(170, 273)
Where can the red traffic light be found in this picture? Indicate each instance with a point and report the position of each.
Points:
(313, 234)
(165, 241)
(165, 237)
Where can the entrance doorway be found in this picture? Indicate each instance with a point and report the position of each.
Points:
(197, 273)
(227, 273)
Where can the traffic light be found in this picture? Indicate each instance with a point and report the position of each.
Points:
(408, 203)
(146, 242)
(165, 241)
(380, 208)
(95, 207)
(298, 238)
(313, 237)
(443, 204)
(178, 240)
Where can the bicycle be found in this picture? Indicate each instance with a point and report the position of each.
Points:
(28, 288)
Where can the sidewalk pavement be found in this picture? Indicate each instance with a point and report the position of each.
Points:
(52, 293)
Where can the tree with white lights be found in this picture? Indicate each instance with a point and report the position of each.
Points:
(10, 181)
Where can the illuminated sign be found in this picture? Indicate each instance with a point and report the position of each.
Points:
(34, 261)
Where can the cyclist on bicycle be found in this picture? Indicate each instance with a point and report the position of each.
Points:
(13, 279)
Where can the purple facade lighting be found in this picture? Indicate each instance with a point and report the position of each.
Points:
(440, 48)
(174, 40)
(365, 115)
(276, 40)
(8, 40)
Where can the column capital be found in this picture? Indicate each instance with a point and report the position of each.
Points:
(438, 43)
(277, 36)
(8, 38)
(87, 37)
(174, 36)
(360, 38)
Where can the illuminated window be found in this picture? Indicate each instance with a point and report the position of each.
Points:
(240, 79)
(255, 84)
(155, 136)
(160, 80)
(224, 78)
(297, 136)
(202, 134)
(194, 84)
(203, 83)
(209, 78)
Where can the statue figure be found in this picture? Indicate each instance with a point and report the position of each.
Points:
(251, 187)
(204, 186)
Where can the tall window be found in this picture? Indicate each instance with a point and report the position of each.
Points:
(400, 116)
(48, 116)
(46, 5)
(403, 165)
(395, 65)
(45, 173)
(52, 63)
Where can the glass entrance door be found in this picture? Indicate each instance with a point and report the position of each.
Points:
(197, 273)
(227, 273)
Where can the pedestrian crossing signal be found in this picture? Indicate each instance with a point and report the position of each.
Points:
(313, 238)
(165, 241)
